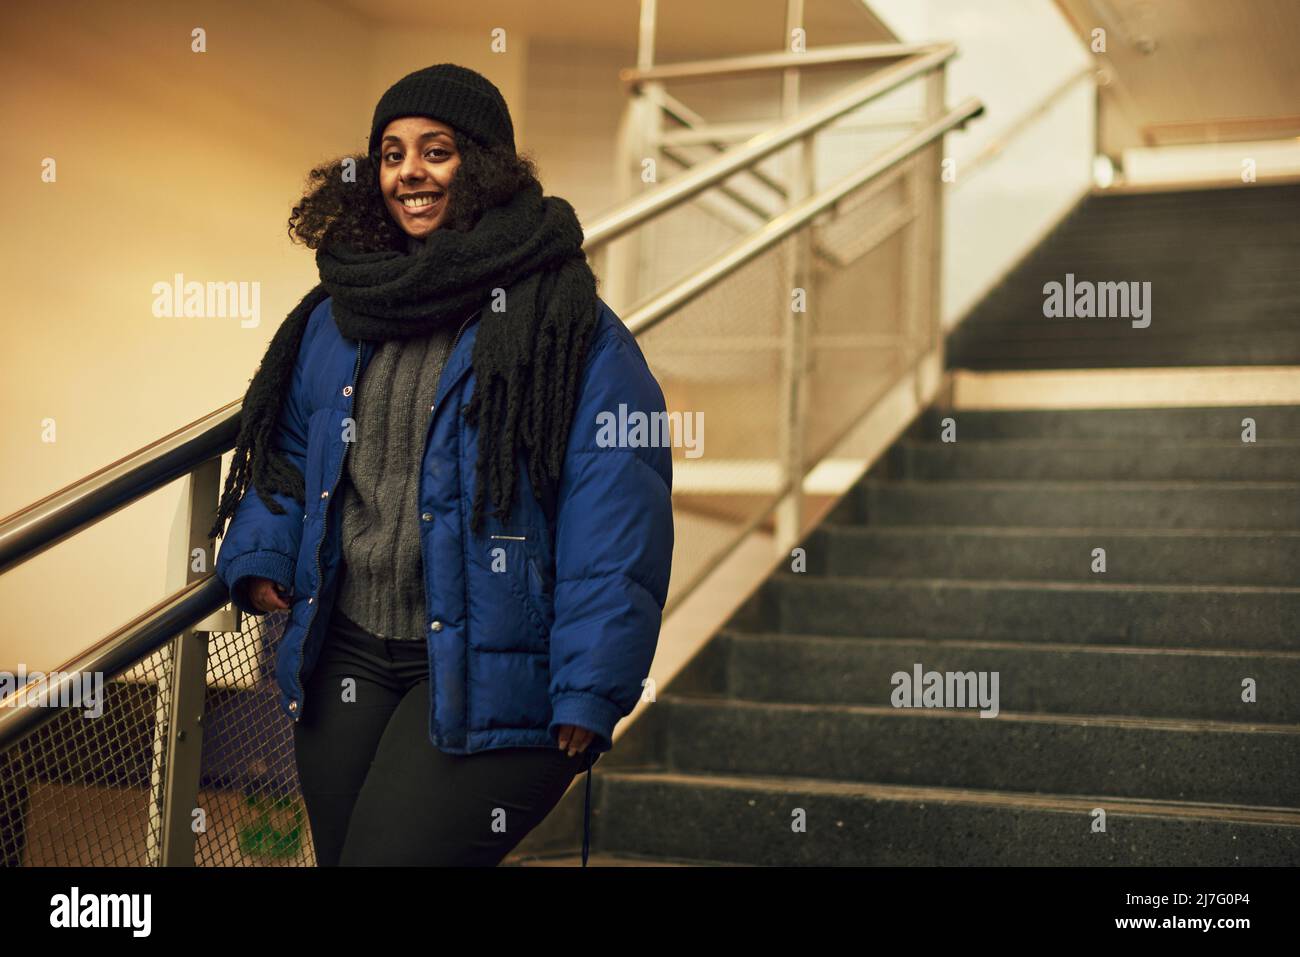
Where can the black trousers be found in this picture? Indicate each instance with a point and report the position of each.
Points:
(376, 788)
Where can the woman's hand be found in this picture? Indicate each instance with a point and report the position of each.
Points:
(267, 595)
(574, 738)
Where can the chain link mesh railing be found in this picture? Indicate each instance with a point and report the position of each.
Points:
(248, 788)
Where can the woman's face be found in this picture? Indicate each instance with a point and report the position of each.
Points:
(417, 159)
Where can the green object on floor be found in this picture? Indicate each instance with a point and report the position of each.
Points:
(276, 831)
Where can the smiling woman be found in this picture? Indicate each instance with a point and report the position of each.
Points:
(430, 400)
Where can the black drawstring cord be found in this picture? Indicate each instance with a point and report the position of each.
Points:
(586, 813)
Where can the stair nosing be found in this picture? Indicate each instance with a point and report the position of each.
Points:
(1134, 443)
(1130, 722)
(1043, 531)
(742, 635)
(1123, 485)
(1026, 800)
(1045, 584)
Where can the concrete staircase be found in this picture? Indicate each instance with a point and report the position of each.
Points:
(1119, 692)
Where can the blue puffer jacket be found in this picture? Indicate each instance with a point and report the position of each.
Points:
(565, 634)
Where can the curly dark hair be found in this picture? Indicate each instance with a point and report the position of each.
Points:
(335, 210)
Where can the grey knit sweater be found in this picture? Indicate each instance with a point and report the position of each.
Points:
(382, 575)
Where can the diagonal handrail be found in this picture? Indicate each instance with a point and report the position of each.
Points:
(113, 654)
(61, 514)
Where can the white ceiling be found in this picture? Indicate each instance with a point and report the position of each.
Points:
(1195, 70)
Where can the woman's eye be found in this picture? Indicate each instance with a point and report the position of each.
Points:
(436, 152)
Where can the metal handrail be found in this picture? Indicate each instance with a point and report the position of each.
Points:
(116, 652)
(43, 524)
(1027, 119)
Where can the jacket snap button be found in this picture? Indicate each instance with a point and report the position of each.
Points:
(427, 516)
(436, 626)
(293, 706)
(325, 494)
(347, 390)
(310, 600)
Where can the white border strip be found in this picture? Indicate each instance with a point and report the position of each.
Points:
(1127, 388)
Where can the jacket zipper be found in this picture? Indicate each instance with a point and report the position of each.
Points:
(297, 677)
(356, 374)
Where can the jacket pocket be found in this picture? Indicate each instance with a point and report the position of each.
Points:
(511, 615)
(541, 594)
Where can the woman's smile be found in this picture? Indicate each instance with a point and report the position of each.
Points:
(419, 205)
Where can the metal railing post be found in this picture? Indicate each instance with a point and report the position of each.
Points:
(637, 134)
(923, 250)
(182, 752)
(935, 92)
(801, 178)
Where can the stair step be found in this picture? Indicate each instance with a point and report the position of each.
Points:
(1159, 759)
(1117, 425)
(749, 820)
(605, 860)
(1226, 348)
(1133, 555)
(1098, 504)
(1259, 247)
(1034, 678)
(1263, 356)
(1207, 203)
(1027, 460)
(1025, 326)
(1169, 616)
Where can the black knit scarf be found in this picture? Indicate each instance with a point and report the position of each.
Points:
(523, 265)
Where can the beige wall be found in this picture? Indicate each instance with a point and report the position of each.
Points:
(572, 103)
(170, 161)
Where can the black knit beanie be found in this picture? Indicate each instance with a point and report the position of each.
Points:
(455, 95)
